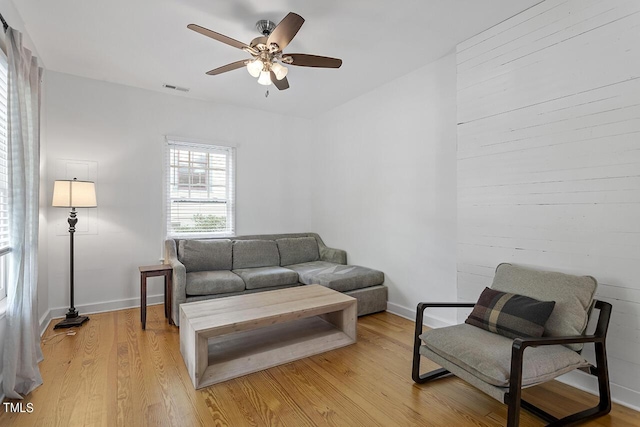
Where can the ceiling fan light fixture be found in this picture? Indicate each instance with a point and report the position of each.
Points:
(267, 52)
(279, 70)
(255, 67)
(265, 78)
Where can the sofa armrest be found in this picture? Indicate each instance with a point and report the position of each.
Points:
(333, 255)
(179, 279)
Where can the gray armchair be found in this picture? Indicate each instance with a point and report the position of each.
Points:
(499, 366)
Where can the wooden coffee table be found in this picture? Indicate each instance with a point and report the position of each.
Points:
(229, 337)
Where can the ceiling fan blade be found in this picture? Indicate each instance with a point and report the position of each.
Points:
(280, 84)
(220, 37)
(304, 60)
(285, 31)
(228, 67)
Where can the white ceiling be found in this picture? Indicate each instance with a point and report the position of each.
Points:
(145, 43)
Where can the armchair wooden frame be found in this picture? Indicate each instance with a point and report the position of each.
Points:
(513, 397)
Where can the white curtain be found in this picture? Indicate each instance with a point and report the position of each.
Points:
(22, 351)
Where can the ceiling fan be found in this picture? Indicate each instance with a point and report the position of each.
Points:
(268, 57)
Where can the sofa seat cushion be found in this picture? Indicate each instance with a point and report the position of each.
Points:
(255, 253)
(342, 278)
(267, 277)
(488, 356)
(205, 255)
(296, 250)
(213, 282)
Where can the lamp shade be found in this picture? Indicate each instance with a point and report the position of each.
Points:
(74, 194)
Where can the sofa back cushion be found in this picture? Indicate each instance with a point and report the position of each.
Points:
(573, 296)
(298, 250)
(205, 255)
(255, 253)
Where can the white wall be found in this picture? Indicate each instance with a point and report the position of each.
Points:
(549, 159)
(385, 180)
(121, 129)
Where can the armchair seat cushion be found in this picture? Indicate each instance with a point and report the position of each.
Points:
(266, 277)
(213, 282)
(342, 278)
(487, 356)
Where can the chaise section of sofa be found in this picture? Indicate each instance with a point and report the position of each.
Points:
(216, 268)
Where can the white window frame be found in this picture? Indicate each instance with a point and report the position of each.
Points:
(197, 146)
(5, 249)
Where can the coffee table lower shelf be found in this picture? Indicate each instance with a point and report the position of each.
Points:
(243, 353)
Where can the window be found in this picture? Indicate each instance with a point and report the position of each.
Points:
(200, 189)
(4, 177)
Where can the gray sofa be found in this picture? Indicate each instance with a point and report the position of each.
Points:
(220, 267)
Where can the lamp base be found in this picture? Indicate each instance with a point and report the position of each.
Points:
(70, 322)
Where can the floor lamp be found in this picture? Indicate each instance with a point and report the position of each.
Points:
(73, 194)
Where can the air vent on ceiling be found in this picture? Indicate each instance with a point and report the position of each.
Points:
(181, 89)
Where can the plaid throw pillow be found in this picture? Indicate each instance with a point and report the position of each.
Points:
(510, 315)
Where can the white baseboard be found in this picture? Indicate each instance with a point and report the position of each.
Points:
(410, 313)
(625, 396)
(585, 382)
(102, 307)
(44, 322)
(578, 379)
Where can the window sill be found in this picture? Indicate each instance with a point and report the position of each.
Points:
(202, 235)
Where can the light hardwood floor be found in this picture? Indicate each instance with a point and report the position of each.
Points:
(112, 373)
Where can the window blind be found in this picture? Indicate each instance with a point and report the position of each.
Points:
(4, 159)
(200, 189)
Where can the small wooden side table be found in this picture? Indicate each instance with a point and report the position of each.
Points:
(152, 271)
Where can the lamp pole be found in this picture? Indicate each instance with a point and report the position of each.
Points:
(72, 220)
(72, 318)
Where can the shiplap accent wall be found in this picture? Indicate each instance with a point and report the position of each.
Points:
(549, 158)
